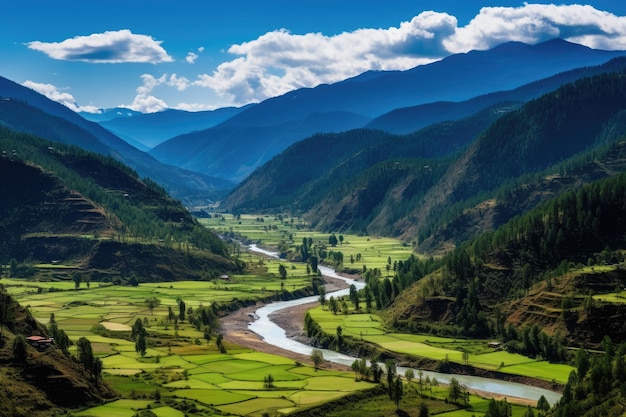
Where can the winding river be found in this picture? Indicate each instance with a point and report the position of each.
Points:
(275, 335)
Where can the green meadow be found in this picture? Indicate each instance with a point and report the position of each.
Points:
(183, 374)
(180, 364)
(370, 328)
(274, 232)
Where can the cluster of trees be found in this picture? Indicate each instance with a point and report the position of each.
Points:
(383, 291)
(533, 341)
(597, 386)
(61, 339)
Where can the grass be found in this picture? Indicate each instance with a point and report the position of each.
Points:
(374, 252)
(369, 327)
(379, 405)
(226, 383)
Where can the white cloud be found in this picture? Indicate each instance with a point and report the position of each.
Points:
(108, 47)
(280, 61)
(53, 93)
(181, 83)
(534, 23)
(144, 101)
(191, 57)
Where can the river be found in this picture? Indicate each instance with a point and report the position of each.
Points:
(275, 335)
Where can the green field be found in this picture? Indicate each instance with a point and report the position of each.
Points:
(374, 252)
(369, 327)
(185, 367)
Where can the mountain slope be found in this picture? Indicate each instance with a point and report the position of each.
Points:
(373, 182)
(311, 170)
(42, 383)
(84, 209)
(410, 119)
(25, 110)
(262, 131)
(543, 132)
(151, 129)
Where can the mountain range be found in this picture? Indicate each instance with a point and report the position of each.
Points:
(25, 110)
(234, 148)
(214, 150)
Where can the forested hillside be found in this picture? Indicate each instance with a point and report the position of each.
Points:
(322, 166)
(24, 110)
(450, 181)
(76, 207)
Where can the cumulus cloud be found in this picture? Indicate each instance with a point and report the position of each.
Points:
(108, 47)
(280, 61)
(144, 101)
(65, 98)
(534, 23)
(191, 57)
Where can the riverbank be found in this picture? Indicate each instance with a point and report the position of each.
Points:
(291, 320)
(235, 328)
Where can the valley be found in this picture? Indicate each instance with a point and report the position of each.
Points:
(448, 239)
(184, 368)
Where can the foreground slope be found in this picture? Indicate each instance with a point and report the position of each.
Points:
(40, 383)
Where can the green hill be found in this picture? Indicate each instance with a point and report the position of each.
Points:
(65, 205)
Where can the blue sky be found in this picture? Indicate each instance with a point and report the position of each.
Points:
(196, 55)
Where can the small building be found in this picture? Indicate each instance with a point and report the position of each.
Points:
(224, 277)
(39, 342)
(494, 345)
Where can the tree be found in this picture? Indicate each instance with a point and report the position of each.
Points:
(354, 296)
(391, 371)
(368, 299)
(313, 262)
(268, 381)
(409, 374)
(397, 391)
(282, 271)
(333, 305)
(356, 368)
(136, 329)
(77, 280)
(455, 391)
(97, 369)
(322, 297)
(152, 303)
(181, 310)
(465, 356)
(20, 348)
(140, 343)
(543, 405)
(85, 354)
(377, 371)
(317, 357)
(339, 337)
